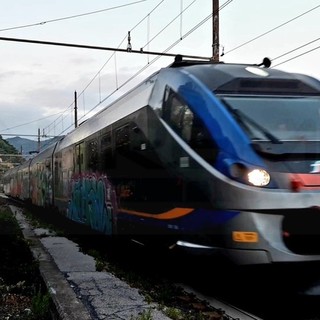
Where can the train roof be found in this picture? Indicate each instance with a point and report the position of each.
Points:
(218, 77)
(235, 78)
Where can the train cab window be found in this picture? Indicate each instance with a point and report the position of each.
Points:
(177, 114)
(187, 125)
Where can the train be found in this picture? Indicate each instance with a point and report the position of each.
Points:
(214, 158)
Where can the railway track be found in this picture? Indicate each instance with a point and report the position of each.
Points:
(228, 310)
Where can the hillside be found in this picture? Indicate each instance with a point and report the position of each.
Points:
(27, 146)
(7, 156)
(6, 147)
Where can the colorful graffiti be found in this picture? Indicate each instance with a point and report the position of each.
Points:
(41, 186)
(92, 202)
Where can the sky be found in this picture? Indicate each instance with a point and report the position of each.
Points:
(38, 82)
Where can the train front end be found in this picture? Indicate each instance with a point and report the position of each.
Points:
(249, 140)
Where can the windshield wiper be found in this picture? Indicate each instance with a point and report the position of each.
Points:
(242, 118)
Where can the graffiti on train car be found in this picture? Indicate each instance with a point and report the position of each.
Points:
(41, 186)
(92, 202)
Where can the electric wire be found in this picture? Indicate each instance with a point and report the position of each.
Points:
(273, 29)
(165, 27)
(30, 122)
(297, 56)
(297, 48)
(70, 17)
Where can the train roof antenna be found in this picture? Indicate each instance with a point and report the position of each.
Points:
(266, 62)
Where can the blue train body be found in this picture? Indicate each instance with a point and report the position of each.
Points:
(213, 157)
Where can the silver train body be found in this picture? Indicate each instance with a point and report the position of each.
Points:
(219, 159)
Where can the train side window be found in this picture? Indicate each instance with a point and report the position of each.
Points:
(79, 149)
(122, 137)
(107, 157)
(92, 154)
(106, 141)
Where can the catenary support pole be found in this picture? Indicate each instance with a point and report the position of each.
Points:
(215, 30)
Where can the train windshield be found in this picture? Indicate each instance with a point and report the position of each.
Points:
(277, 118)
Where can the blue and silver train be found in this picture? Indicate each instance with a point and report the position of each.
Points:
(220, 159)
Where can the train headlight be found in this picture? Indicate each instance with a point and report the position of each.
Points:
(258, 177)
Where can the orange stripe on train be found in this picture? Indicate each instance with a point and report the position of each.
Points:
(171, 214)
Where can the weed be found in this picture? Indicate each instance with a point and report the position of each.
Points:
(145, 315)
(41, 305)
(174, 313)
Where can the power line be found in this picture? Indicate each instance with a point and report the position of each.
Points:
(297, 56)
(297, 48)
(273, 29)
(165, 27)
(30, 122)
(26, 135)
(70, 17)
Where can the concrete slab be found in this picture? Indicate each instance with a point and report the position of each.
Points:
(77, 289)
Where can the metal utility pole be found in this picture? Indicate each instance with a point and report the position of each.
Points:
(75, 110)
(215, 30)
(38, 139)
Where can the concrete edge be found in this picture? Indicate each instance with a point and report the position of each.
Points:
(67, 305)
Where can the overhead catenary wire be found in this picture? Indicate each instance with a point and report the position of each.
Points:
(166, 26)
(297, 56)
(70, 17)
(295, 49)
(271, 30)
